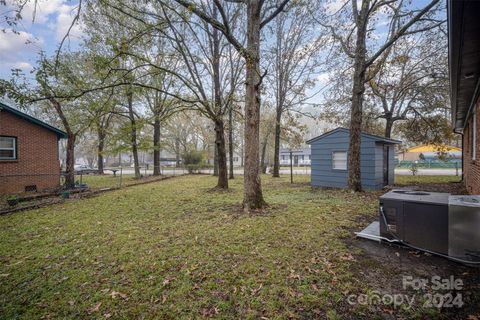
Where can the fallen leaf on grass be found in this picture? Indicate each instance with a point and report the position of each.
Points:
(167, 281)
(95, 308)
(254, 291)
(388, 310)
(208, 312)
(347, 257)
(114, 294)
(293, 275)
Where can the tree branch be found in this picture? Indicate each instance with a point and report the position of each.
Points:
(400, 33)
(274, 13)
(214, 23)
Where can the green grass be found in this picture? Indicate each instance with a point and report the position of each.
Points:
(175, 249)
(413, 180)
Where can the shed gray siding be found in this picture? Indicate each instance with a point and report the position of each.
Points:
(371, 161)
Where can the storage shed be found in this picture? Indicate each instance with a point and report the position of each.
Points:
(329, 160)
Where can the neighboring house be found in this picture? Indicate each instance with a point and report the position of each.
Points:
(429, 152)
(300, 156)
(237, 159)
(464, 65)
(330, 162)
(28, 152)
(167, 159)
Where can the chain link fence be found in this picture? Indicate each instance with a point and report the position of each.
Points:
(27, 190)
(430, 164)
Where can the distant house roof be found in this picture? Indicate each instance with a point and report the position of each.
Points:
(305, 150)
(366, 135)
(167, 155)
(463, 53)
(433, 148)
(60, 134)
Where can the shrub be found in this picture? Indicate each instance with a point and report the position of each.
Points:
(193, 161)
(12, 200)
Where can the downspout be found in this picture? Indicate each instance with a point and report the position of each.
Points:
(463, 157)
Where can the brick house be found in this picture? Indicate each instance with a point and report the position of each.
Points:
(28, 152)
(464, 65)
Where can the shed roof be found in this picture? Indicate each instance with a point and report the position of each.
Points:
(60, 134)
(365, 135)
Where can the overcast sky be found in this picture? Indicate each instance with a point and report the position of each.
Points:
(52, 20)
(44, 26)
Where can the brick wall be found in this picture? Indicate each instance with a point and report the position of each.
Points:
(471, 168)
(37, 161)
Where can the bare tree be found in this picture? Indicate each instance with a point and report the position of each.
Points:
(294, 53)
(161, 106)
(102, 112)
(202, 50)
(258, 16)
(413, 79)
(353, 41)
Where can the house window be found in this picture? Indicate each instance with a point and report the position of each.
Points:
(8, 148)
(339, 160)
(474, 135)
(235, 159)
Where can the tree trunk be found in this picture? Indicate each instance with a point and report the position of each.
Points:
(100, 147)
(220, 150)
(230, 142)
(215, 158)
(276, 155)
(70, 162)
(388, 126)
(71, 137)
(221, 155)
(242, 156)
(354, 177)
(156, 147)
(133, 134)
(264, 151)
(253, 197)
(279, 93)
(177, 152)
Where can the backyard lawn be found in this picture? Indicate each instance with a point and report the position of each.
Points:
(176, 249)
(412, 180)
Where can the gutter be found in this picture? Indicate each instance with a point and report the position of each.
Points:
(475, 96)
(463, 158)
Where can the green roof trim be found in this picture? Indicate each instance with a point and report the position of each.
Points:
(60, 134)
